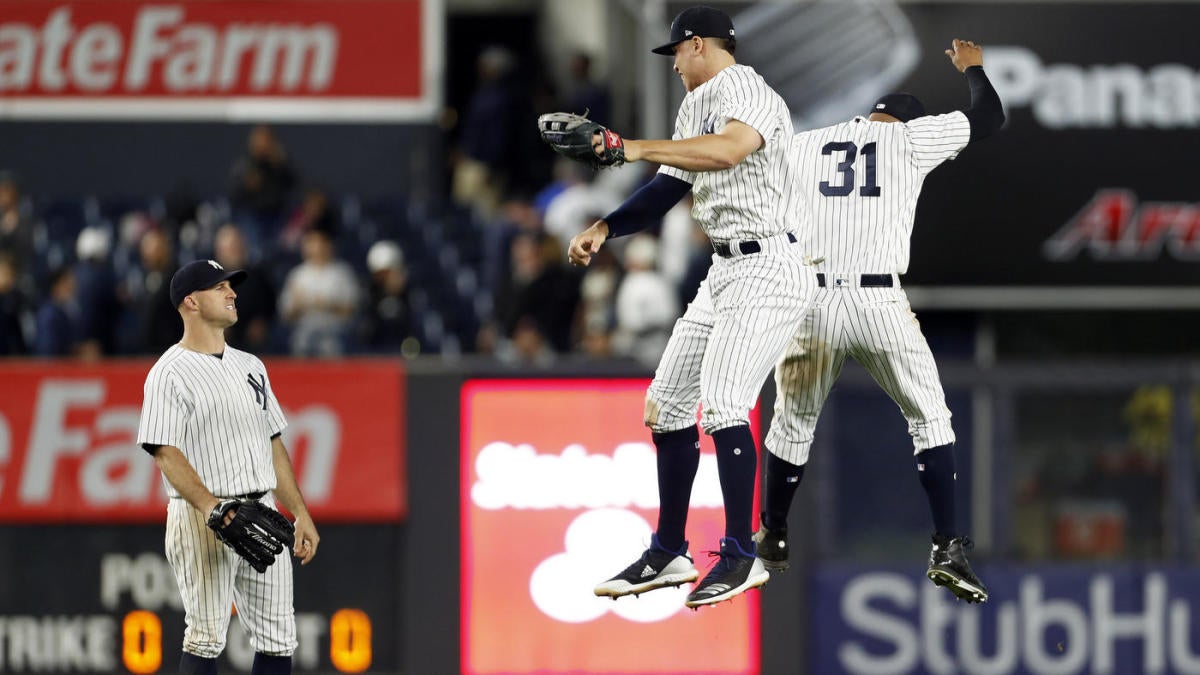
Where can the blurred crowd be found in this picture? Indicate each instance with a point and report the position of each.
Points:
(318, 287)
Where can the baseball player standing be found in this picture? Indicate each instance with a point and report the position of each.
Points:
(729, 149)
(212, 422)
(860, 181)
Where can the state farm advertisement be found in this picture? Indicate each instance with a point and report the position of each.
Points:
(223, 59)
(68, 436)
(559, 492)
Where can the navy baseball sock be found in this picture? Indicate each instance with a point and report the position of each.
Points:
(782, 479)
(190, 664)
(678, 459)
(736, 466)
(935, 468)
(265, 664)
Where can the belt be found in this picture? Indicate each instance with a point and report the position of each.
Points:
(254, 496)
(744, 247)
(864, 281)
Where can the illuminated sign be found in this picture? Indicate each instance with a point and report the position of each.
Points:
(559, 492)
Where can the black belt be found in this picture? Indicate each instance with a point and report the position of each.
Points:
(744, 247)
(255, 496)
(864, 281)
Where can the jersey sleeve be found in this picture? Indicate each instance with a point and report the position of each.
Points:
(165, 410)
(750, 101)
(937, 138)
(276, 421)
(682, 122)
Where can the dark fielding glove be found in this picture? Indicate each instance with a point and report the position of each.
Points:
(573, 136)
(257, 532)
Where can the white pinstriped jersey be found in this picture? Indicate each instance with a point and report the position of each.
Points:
(861, 181)
(742, 202)
(220, 412)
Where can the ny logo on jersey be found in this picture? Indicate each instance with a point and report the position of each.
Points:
(710, 125)
(260, 388)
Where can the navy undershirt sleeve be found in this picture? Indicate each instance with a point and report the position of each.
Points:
(646, 206)
(986, 114)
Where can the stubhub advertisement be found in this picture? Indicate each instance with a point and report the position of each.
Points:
(1043, 620)
(559, 492)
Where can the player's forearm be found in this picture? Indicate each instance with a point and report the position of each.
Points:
(709, 152)
(986, 113)
(180, 474)
(286, 488)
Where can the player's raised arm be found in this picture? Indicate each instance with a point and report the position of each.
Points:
(709, 152)
(986, 113)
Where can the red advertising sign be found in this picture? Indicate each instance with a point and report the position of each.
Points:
(68, 436)
(559, 492)
(260, 59)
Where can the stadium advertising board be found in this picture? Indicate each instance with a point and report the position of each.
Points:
(1061, 620)
(221, 59)
(558, 500)
(68, 450)
(103, 599)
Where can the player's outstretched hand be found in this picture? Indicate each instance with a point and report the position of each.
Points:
(586, 243)
(306, 539)
(964, 54)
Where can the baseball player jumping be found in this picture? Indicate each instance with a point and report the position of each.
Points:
(211, 420)
(729, 149)
(860, 181)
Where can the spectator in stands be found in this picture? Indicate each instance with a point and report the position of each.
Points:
(596, 307)
(527, 345)
(388, 320)
(159, 325)
(579, 204)
(320, 297)
(584, 94)
(314, 211)
(57, 319)
(647, 304)
(494, 123)
(539, 286)
(16, 231)
(96, 292)
(255, 295)
(13, 310)
(263, 179)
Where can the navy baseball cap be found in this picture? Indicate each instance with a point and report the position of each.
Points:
(903, 107)
(199, 275)
(698, 21)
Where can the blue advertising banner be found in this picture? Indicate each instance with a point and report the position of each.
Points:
(1043, 620)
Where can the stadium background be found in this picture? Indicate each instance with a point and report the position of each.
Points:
(467, 429)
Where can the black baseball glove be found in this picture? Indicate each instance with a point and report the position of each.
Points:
(578, 138)
(257, 532)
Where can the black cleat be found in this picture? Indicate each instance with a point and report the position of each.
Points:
(772, 548)
(657, 568)
(948, 567)
(736, 572)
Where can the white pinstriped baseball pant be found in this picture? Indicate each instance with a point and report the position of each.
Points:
(724, 346)
(878, 329)
(212, 577)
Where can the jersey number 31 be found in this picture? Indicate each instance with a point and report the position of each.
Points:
(846, 168)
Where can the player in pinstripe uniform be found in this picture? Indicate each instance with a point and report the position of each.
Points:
(730, 150)
(860, 181)
(212, 422)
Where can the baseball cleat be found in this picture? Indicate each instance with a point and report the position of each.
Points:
(948, 567)
(772, 548)
(657, 568)
(735, 573)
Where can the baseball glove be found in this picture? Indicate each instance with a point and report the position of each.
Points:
(574, 136)
(257, 532)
